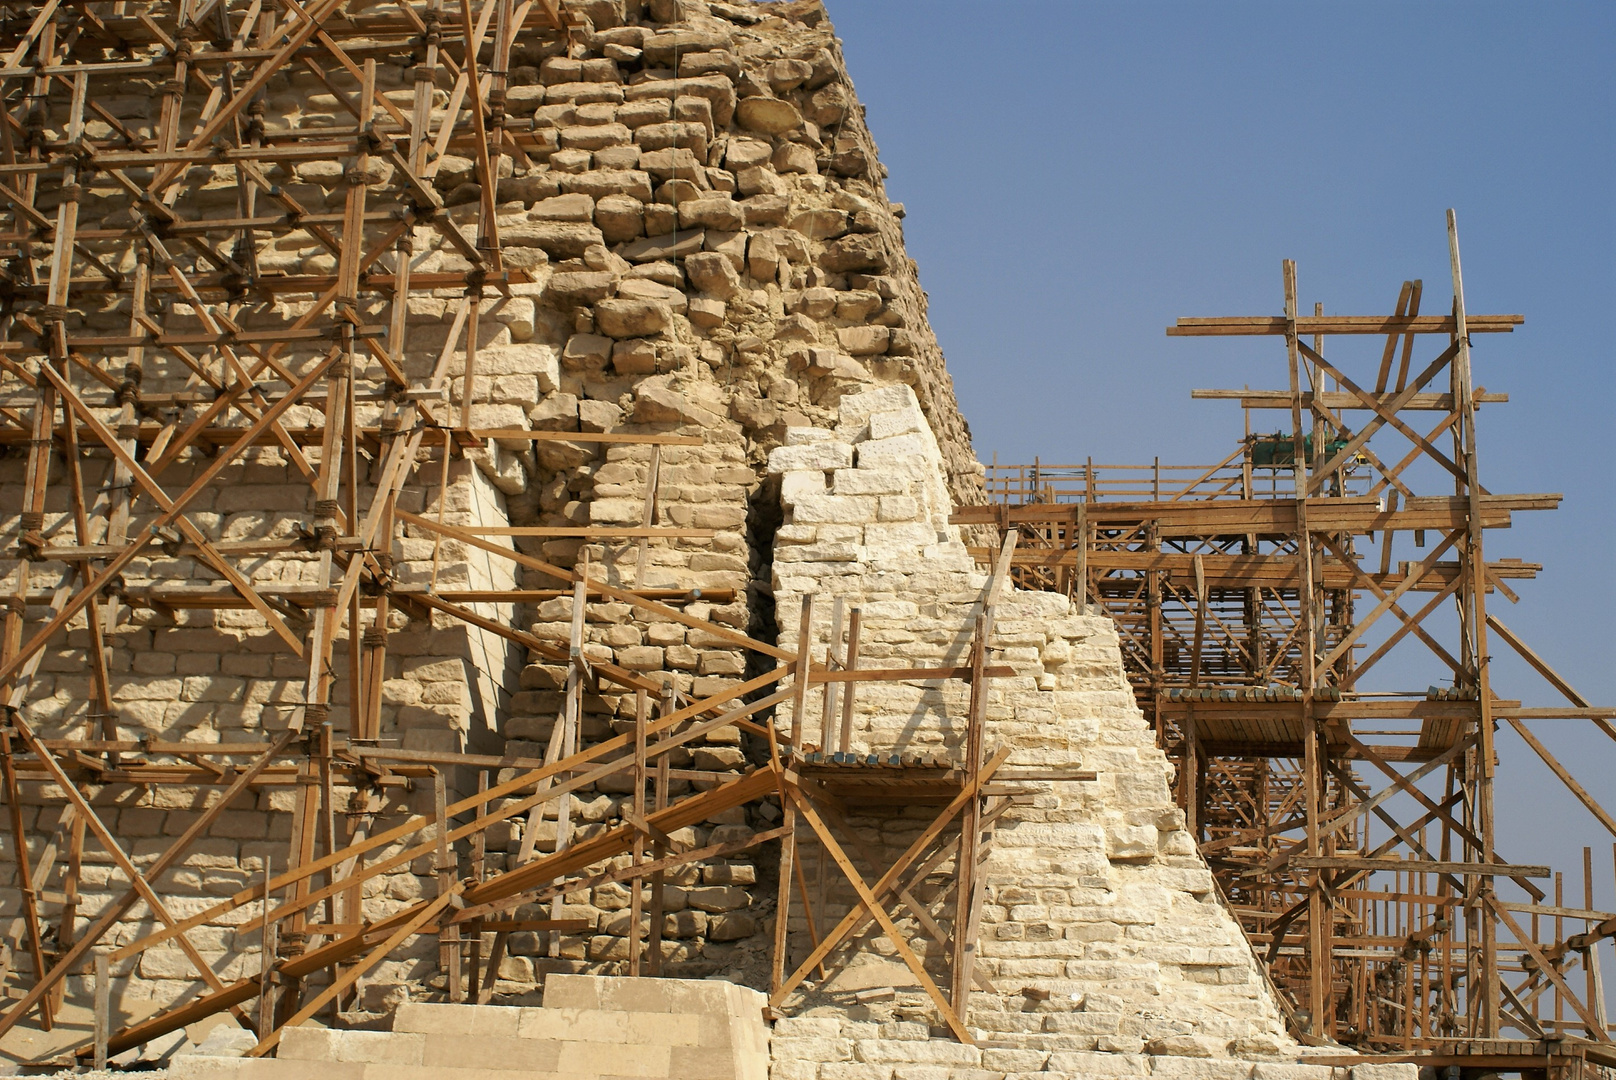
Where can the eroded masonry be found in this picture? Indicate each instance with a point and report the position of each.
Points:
(487, 523)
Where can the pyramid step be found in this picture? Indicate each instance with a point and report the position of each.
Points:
(308, 1044)
(202, 1067)
(636, 995)
(359, 1047)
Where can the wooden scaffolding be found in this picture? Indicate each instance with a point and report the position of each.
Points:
(1351, 828)
(196, 284)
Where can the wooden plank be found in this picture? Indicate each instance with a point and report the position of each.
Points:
(1416, 866)
(1337, 401)
(1275, 325)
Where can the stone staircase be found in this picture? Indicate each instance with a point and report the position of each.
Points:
(590, 1028)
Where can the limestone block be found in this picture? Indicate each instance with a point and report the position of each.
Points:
(646, 289)
(788, 74)
(573, 207)
(658, 404)
(1099, 1066)
(886, 481)
(800, 436)
(848, 509)
(632, 318)
(706, 313)
(1196, 1068)
(1274, 1070)
(615, 511)
(641, 657)
(712, 272)
(717, 898)
(716, 213)
(886, 425)
(595, 137)
(559, 239)
(877, 453)
(671, 246)
(583, 93)
(768, 116)
(492, 1052)
(820, 1048)
(819, 456)
(1399, 1071)
(379, 1047)
(1187, 1046)
(1131, 841)
(931, 1052)
(864, 340)
(854, 410)
(793, 1068)
(765, 210)
(731, 926)
(717, 89)
(620, 218)
(858, 252)
(600, 184)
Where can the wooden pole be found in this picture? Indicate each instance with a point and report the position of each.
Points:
(788, 809)
(1476, 572)
(659, 802)
(103, 1007)
(268, 945)
(642, 707)
(833, 658)
(965, 869)
(1319, 978)
(569, 721)
(448, 936)
(855, 623)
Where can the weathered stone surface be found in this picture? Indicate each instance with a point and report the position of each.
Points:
(661, 405)
(575, 207)
(558, 239)
(671, 246)
(740, 279)
(858, 252)
(1078, 893)
(768, 116)
(631, 318)
(585, 348)
(581, 286)
(620, 218)
(600, 183)
(713, 273)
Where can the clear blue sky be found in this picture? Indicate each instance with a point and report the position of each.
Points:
(1079, 175)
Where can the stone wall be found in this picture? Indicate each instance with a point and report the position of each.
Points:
(1102, 929)
(711, 252)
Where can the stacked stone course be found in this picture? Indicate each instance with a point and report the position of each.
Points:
(1102, 930)
(710, 251)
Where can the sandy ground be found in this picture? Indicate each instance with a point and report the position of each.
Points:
(75, 1026)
